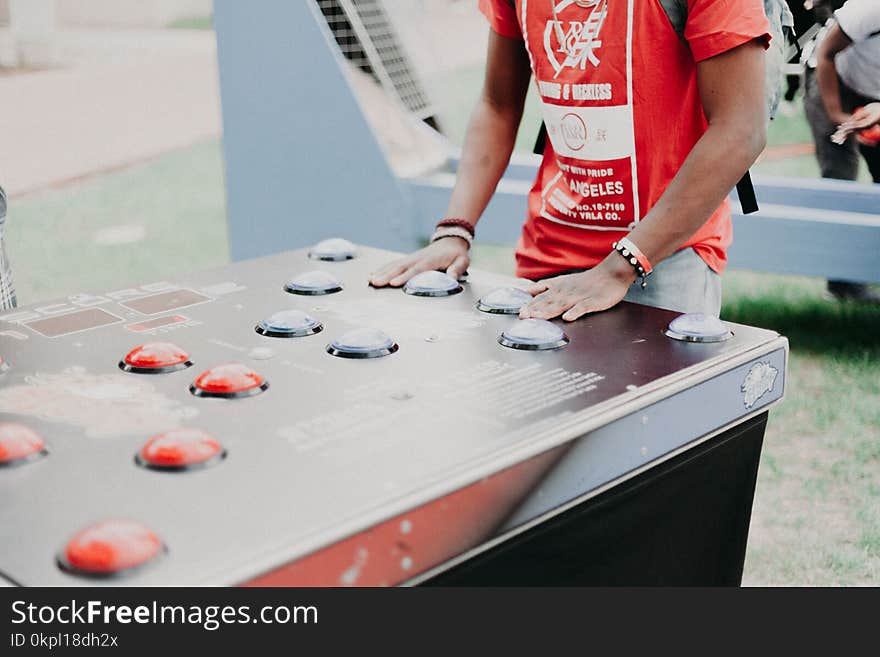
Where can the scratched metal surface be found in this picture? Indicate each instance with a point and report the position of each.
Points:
(332, 447)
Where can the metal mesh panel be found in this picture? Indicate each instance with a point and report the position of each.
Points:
(364, 34)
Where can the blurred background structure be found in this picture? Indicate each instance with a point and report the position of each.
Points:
(111, 153)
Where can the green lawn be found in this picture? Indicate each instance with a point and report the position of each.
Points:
(177, 201)
(817, 508)
(461, 89)
(193, 23)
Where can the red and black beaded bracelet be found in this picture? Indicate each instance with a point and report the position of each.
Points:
(635, 258)
(460, 223)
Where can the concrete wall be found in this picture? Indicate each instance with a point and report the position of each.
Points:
(28, 41)
(121, 13)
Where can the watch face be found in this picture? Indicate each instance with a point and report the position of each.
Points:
(432, 284)
(504, 301)
(697, 327)
(533, 335)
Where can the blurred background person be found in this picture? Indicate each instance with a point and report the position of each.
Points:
(7, 289)
(806, 25)
(843, 75)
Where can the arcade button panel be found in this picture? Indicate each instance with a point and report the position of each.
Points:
(280, 411)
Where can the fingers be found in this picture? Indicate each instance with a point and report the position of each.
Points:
(546, 306)
(574, 296)
(415, 268)
(579, 309)
(384, 275)
(862, 119)
(446, 254)
(547, 301)
(856, 124)
(536, 288)
(569, 308)
(859, 119)
(458, 267)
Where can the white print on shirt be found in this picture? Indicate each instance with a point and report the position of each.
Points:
(596, 187)
(559, 91)
(576, 41)
(594, 134)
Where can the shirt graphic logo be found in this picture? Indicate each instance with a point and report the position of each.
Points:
(575, 42)
(574, 131)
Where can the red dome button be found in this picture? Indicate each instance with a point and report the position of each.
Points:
(180, 449)
(155, 358)
(229, 381)
(109, 548)
(19, 444)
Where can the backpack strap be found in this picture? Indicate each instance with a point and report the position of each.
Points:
(540, 140)
(745, 190)
(677, 12)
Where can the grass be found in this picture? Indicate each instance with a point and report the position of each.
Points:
(176, 201)
(461, 88)
(789, 126)
(816, 518)
(192, 23)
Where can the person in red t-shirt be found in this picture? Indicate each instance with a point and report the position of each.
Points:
(647, 133)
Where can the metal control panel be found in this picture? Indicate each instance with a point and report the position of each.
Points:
(331, 450)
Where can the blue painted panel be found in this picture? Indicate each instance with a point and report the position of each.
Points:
(781, 239)
(818, 193)
(501, 222)
(301, 162)
(793, 245)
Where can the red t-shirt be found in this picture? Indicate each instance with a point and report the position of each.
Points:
(619, 96)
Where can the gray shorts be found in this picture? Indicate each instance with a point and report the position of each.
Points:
(682, 282)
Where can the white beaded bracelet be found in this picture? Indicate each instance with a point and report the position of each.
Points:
(452, 231)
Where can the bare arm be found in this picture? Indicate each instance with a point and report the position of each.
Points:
(826, 72)
(731, 88)
(491, 132)
(488, 143)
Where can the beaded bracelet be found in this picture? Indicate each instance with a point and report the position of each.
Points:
(460, 223)
(634, 257)
(452, 231)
